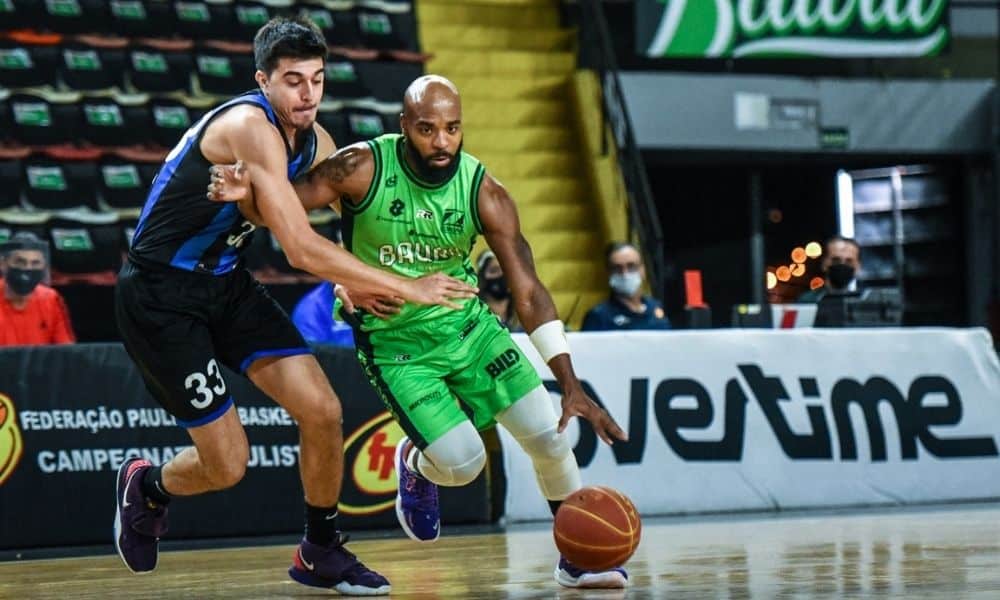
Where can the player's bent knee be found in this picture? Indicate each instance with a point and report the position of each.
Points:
(226, 474)
(468, 471)
(324, 413)
(547, 445)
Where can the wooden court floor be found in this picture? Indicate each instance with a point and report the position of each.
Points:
(945, 552)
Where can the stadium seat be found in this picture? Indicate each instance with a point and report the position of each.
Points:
(362, 124)
(160, 66)
(29, 60)
(338, 23)
(75, 16)
(142, 18)
(117, 120)
(331, 118)
(224, 68)
(56, 182)
(92, 245)
(204, 20)
(90, 63)
(387, 25)
(124, 183)
(11, 181)
(171, 117)
(343, 81)
(42, 118)
(250, 16)
(387, 80)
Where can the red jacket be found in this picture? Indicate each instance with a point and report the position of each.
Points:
(43, 320)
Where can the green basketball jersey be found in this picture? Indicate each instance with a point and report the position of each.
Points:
(412, 228)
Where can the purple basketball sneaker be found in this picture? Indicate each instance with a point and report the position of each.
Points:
(335, 567)
(416, 500)
(139, 523)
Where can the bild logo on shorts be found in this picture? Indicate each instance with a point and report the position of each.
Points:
(506, 360)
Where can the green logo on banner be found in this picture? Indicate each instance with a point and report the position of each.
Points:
(192, 11)
(15, 58)
(149, 62)
(171, 117)
(251, 15)
(121, 176)
(32, 114)
(216, 66)
(366, 125)
(790, 28)
(340, 71)
(103, 115)
(82, 60)
(72, 240)
(376, 24)
(46, 178)
(63, 8)
(322, 18)
(128, 9)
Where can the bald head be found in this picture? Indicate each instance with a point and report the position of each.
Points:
(432, 124)
(430, 94)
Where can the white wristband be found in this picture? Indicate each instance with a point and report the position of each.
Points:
(550, 340)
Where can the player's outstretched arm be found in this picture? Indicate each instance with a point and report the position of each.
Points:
(535, 307)
(254, 142)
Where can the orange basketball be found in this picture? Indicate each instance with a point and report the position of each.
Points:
(597, 528)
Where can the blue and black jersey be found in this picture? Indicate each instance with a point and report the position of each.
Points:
(179, 226)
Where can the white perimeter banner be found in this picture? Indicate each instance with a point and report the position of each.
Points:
(729, 420)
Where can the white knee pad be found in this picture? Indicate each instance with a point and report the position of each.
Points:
(533, 423)
(454, 459)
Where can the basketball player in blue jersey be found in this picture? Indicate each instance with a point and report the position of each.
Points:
(186, 305)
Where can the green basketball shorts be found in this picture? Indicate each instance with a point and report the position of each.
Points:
(433, 375)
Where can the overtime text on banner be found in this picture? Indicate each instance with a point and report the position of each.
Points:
(755, 420)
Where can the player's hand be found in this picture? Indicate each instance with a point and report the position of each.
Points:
(229, 183)
(576, 403)
(438, 288)
(381, 306)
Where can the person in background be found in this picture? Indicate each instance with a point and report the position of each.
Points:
(841, 264)
(313, 317)
(494, 291)
(31, 313)
(626, 308)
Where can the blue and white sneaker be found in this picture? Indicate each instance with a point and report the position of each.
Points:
(569, 575)
(417, 505)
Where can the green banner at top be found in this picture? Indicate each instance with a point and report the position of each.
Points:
(790, 28)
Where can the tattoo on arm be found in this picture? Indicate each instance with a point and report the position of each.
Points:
(338, 167)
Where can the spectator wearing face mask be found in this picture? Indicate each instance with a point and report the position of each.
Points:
(494, 292)
(626, 308)
(31, 313)
(841, 264)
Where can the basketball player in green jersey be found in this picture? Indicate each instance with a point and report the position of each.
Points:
(414, 204)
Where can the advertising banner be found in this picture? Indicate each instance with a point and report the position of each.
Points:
(790, 28)
(69, 415)
(749, 420)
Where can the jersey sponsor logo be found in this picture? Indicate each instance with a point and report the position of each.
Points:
(236, 240)
(453, 220)
(397, 207)
(408, 253)
(425, 214)
(506, 360)
(369, 453)
(391, 182)
(11, 442)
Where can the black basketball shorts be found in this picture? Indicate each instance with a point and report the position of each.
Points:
(179, 327)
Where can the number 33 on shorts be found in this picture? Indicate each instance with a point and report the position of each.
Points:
(199, 382)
